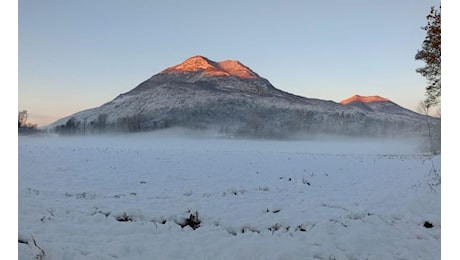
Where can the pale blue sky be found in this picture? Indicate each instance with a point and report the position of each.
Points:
(75, 55)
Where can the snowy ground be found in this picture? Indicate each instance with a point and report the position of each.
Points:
(158, 197)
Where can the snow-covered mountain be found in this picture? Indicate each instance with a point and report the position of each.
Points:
(377, 104)
(230, 98)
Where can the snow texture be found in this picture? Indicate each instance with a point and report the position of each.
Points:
(148, 196)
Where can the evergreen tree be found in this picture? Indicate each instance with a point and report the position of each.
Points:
(431, 55)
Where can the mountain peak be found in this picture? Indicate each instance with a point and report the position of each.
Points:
(363, 99)
(211, 68)
(193, 64)
(235, 68)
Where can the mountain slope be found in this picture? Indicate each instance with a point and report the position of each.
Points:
(378, 104)
(230, 98)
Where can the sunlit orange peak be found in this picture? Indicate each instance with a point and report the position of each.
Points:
(193, 64)
(209, 67)
(235, 68)
(364, 99)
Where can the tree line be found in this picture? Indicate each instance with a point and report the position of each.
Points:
(74, 126)
(25, 127)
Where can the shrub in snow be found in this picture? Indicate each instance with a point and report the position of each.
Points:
(32, 243)
(124, 218)
(193, 221)
(427, 224)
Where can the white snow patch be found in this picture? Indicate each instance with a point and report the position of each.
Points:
(128, 196)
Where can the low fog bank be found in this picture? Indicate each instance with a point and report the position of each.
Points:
(186, 139)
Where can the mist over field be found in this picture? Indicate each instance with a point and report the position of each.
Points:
(204, 139)
(183, 194)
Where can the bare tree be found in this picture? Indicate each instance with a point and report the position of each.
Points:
(22, 118)
(102, 121)
(23, 126)
(423, 107)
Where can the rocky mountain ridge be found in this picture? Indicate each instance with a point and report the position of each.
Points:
(229, 98)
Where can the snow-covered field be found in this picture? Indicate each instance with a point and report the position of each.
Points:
(157, 197)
